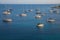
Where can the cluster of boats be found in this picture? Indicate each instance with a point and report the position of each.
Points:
(38, 16)
(55, 9)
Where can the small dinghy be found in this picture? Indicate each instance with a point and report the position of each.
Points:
(40, 25)
(6, 12)
(51, 20)
(37, 9)
(30, 10)
(38, 16)
(43, 14)
(7, 20)
(23, 14)
(38, 12)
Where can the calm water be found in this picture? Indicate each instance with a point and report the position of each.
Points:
(24, 28)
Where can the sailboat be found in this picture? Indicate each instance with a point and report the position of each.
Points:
(23, 14)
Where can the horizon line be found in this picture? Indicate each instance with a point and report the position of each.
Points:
(29, 3)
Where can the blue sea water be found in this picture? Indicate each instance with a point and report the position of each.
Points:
(24, 28)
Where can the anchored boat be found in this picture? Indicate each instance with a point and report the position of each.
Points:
(40, 25)
(23, 14)
(51, 20)
(7, 20)
(6, 12)
(38, 16)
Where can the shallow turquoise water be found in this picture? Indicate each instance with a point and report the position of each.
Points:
(24, 28)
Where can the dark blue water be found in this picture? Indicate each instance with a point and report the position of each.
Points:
(24, 28)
